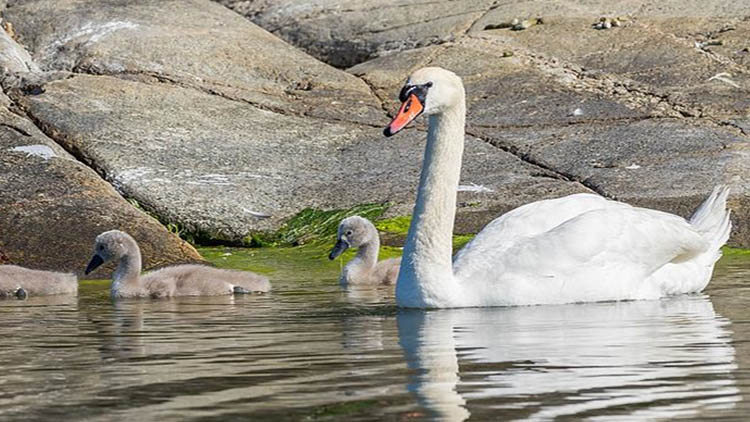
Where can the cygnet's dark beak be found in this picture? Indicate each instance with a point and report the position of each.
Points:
(338, 249)
(95, 262)
(21, 293)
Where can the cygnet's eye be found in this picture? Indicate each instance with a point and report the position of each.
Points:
(348, 232)
(101, 247)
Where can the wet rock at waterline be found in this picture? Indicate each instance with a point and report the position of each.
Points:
(189, 157)
(52, 207)
(223, 129)
(224, 145)
(632, 145)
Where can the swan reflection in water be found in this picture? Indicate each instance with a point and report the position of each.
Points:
(644, 359)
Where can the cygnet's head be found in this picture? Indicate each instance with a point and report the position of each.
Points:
(430, 90)
(110, 245)
(353, 232)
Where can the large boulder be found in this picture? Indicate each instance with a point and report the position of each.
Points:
(344, 33)
(192, 43)
(622, 142)
(215, 125)
(186, 156)
(13, 57)
(52, 207)
(219, 127)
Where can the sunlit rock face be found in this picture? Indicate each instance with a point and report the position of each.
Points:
(652, 110)
(218, 126)
(52, 206)
(215, 125)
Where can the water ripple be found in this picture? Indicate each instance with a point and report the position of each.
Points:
(311, 351)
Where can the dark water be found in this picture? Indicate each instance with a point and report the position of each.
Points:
(310, 351)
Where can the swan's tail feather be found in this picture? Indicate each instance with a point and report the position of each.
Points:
(711, 219)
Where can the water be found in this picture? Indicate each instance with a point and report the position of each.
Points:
(310, 351)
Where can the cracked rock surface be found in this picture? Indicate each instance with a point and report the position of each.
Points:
(343, 33)
(214, 173)
(217, 125)
(226, 130)
(52, 207)
(632, 113)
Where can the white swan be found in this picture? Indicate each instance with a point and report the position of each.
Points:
(364, 268)
(579, 248)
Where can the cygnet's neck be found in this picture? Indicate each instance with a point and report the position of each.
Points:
(426, 275)
(128, 269)
(364, 261)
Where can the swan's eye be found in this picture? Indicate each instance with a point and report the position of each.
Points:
(428, 84)
(348, 232)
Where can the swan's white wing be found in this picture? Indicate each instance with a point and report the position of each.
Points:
(527, 220)
(604, 254)
(638, 237)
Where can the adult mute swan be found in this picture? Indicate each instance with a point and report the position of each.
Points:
(22, 282)
(178, 280)
(579, 248)
(364, 268)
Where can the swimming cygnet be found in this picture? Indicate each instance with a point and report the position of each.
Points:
(22, 282)
(364, 268)
(178, 280)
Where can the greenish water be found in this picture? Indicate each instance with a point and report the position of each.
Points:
(312, 351)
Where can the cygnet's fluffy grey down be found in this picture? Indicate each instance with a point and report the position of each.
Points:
(364, 268)
(22, 282)
(178, 280)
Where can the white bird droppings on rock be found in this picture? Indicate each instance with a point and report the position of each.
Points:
(723, 77)
(473, 187)
(42, 151)
(94, 31)
(256, 214)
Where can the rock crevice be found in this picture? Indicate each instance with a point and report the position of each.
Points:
(209, 121)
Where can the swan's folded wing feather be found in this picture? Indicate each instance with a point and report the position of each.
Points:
(604, 254)
(523, 222)
(618, 247)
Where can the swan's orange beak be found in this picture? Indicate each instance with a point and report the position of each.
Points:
(410, 109)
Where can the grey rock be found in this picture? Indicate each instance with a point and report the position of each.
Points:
(212, 123)
(581, 128)
(656, 55)
(52, 207)
(214, 173)
(657, 47)
(666, 164)
(344, 33)
(193, 43)
(13, 57)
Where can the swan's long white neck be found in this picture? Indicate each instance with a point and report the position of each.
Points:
(127, 273)
(426, 275)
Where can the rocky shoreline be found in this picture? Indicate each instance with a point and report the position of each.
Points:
(226, 122)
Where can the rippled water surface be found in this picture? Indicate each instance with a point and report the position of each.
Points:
(309, 351)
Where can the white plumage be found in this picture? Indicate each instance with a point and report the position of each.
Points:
(579, 248)
(584, 248)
